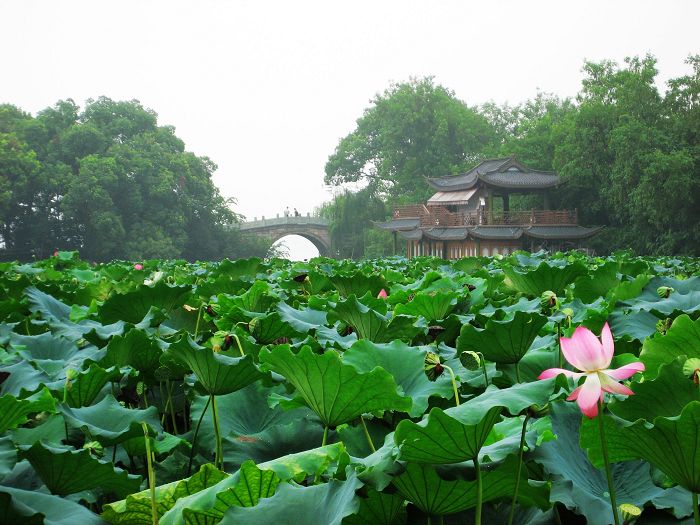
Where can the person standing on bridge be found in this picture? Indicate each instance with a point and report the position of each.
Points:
(286, 211)
(296, 213)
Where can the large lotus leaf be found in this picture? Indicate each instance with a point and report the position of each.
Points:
(218, 373)
(239, 268)
(109, 422)
(379, 508)
(58, 316)
(544, 277)
(504, 341)
(666, 396)
(136, 350)
(682, 339)
(432, 306)
(328, 503)
(136, 509)
(597, 283)
(294, 466)
(581, 486)
(53, 355)
(66, 471)
(51, 430)
(270, 328)
(219, 285)
(14, 412)
(132, 307)
(259, 298)
(436, 496)
(670, 444)
(358, 284)
(30, 507)
(252, 430)
(371, 324)
(253, 485)
(335, 391)
(303, 321)
(633, 325)
(89, 383)
(504, 438)
(684, 298)
(458, 433)
(22, 379)
(405, 364)
(8, 456)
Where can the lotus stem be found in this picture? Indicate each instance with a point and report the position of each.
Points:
(454, 383)
(238, 342)
(608, 472)
(199, 318)
(561, 355)
(169, 387)
(219, 451)
(519, 470)
(114, 454)
(483, 368)
(479, 492)
(196, 433)
(325, 436)
(696, 513)
(517, 372)
(151, 475)
(369, 438)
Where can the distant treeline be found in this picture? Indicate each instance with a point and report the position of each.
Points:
(630, 155)
(111, 183)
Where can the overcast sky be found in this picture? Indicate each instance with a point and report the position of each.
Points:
(267, 88)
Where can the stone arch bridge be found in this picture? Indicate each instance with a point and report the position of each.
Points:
(315, 229)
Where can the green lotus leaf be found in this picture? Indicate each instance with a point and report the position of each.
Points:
(371, 324)
(136, 350)
(435, 496)
(109, 422)
(253, 485)
(14, 412)
(379, 508)
(685, 296)
(217, 373)
(51, 430)
(270, 328)
(30, 507)
(8, 456)
(328, 503)
(458, 433)
(634, 325)
(665, 396)
(238, 268)
(252, 430)
(544, 277)
(358, 284)
(132, 307)
(405, 364)
(294, 466)
(335, 391)
(582, 486)
(597, 283)
(137, 507)
(86, 387)
(431, 306)
(682, 339)
(66, 471)
(302, 321)
(504, 341)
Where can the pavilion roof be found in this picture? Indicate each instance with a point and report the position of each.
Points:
(500, 233)
(399, 224)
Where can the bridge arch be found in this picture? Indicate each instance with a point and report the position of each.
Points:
(314, 229)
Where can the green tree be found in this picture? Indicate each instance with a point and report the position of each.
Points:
(413, 130)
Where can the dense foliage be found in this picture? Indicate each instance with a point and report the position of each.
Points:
(110, 182)
(243, 391)
(630, 154)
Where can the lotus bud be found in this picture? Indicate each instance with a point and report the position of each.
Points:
(432, 367)
(95, 448)
(138, 266)
(691, 368)
(630, 513)
(549, 300)
(382, 294)
(662, 325)
(70, 376)
(470, 360)
(664, 291)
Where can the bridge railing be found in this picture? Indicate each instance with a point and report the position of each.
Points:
(308, 219)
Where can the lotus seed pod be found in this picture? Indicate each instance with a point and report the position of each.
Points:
(630, 513)
(691, 368)
(662, 325)
(95, 448)
(470, 360)
(549, 300)
(432, 367)
(664, 291)
(140, 388)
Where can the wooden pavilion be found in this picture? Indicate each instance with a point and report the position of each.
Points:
(460, 219)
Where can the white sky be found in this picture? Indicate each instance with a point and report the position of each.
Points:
(267, 88)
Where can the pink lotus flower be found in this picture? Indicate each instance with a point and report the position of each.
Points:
(592, 356)
(138, 266)
(382, 294)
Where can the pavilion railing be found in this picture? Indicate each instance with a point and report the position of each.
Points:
(439, 216)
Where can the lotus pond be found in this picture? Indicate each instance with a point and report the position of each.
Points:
(339, 392)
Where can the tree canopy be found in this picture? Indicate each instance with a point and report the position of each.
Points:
(111, 183)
